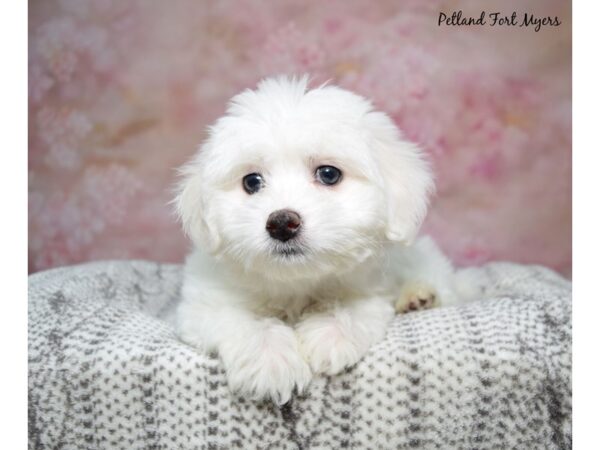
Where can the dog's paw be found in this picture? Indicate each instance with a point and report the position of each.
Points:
(416, 297)
(267, 365)
(328, 344)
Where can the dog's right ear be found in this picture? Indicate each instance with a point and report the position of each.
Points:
(193, 207)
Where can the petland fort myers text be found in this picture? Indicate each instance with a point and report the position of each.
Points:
(497, 19)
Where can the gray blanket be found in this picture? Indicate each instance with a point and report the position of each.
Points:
(106, 370)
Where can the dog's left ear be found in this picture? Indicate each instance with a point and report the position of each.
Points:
(407, 178)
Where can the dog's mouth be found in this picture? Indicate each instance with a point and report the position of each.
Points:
(288, 250)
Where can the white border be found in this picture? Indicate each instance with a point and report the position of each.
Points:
(586, 230)
(13, 265)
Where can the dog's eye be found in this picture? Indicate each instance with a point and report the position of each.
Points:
(328, 175)
(253, 182)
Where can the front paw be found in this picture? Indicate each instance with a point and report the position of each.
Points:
(416, 297)
(266, 365)
(328, 344)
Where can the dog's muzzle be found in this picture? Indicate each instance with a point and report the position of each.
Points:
(283, 224)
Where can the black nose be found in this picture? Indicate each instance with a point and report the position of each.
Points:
(283, 224)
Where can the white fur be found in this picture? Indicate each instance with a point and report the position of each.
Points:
(274, 319)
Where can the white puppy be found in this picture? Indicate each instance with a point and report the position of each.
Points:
(303, 205)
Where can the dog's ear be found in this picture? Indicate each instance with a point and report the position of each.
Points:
(192, 205)
(407, 179)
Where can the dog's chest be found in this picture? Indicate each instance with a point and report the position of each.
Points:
(289, 311)
(286, 303)
(290, 302)
(286, 308)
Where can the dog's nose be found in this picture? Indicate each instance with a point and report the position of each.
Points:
(283, 224)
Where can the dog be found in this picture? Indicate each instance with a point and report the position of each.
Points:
(303, 206)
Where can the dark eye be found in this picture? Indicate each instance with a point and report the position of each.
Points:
(328, 175)
(253, 182)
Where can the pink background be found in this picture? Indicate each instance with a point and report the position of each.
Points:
(121, 93)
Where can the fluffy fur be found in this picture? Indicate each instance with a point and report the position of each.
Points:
(280, 312)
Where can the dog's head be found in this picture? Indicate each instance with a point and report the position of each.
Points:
(294, 182)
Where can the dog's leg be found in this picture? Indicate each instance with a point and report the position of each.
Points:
(339, 336)
(261, 355)
(427, 277)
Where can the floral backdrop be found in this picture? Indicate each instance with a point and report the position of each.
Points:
(121, 93)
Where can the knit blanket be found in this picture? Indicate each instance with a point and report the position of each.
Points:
(107, 371)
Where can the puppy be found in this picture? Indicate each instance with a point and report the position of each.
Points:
(303, 206)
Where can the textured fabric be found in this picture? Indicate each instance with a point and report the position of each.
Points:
(106, 370)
